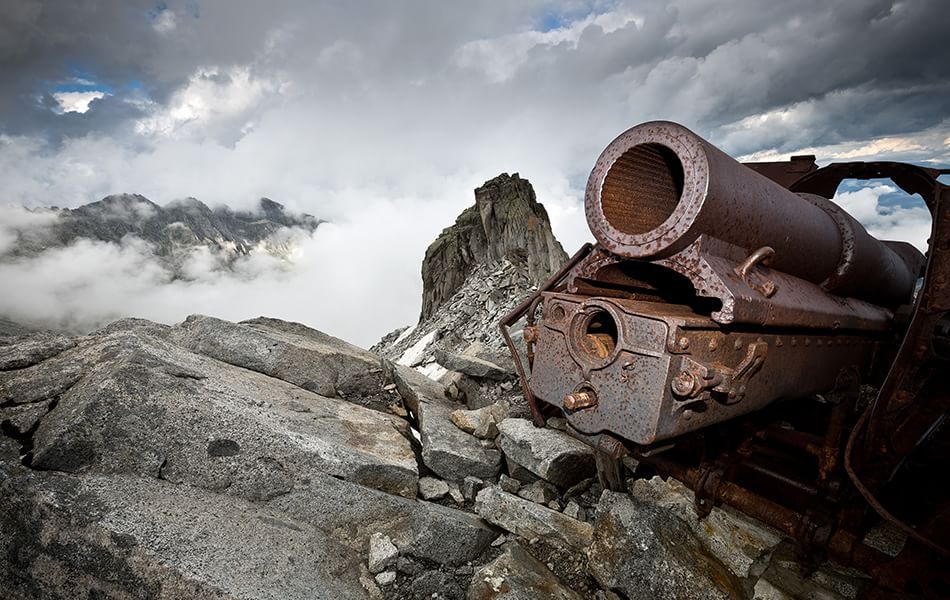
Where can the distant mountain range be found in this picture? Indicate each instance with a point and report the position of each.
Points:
(173, 230)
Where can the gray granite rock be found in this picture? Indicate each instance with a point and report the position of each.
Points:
(422, 530)
(519, 472)
(292, 352)
(65, 536)
(455, 492)
(743, 545)
(431, 488)
(22, 418)
(10, 328)
(550, 454)
(516, 575)
(651, 542)
(540, 492)
(141, 405)
(530, 520)
(574, 510)
(448, 451)
(435, 585)
(470, 486)
(213, 445)
(472, 366)
(509, 484)
(26, 351)
(382, 553)
(481, 422)
(505, 220)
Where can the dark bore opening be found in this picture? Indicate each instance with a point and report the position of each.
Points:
(599, 337)
(642, 188)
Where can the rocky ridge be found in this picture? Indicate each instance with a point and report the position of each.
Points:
(173, 230)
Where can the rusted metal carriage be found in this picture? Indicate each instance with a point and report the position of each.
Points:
(736, 330)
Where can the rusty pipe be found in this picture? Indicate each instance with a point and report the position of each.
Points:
(841, 544)
(658, 186)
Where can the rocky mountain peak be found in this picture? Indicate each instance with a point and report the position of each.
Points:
(506, 223)
(173, 230)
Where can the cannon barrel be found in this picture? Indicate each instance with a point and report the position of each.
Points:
(658, 186)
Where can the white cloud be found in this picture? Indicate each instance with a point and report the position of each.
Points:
(14, 220)
(336, 280)
(77, 102)
(499, 59)
(909, 224)
(213, 95)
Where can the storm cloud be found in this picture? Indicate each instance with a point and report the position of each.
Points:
(383, 116)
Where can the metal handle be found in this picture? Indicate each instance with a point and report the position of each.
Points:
(762, 256)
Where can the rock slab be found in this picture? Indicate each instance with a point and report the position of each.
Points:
(144, 406)
(448, 451)
(550, 454)
(516, 575)
(530, 520)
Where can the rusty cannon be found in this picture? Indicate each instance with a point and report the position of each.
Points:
(737, 330)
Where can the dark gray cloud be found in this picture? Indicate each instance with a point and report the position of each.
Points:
(383, 116)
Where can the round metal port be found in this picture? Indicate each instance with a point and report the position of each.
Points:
(594, 335)
(599, 337)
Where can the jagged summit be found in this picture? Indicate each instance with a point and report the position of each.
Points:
(475, 273)
(506, 223)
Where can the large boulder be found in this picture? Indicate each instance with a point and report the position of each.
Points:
(353, 513)
(447, 450)
(22, 352)
(548, 453)
(154, 471)
(473, 366)
(132, 403)
(295, 353)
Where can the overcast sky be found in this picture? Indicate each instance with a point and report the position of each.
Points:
(383, 116)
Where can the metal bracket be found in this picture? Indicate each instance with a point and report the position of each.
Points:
(696, 378)
(734, 383)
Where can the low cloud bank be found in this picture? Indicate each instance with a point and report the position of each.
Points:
(330, 280)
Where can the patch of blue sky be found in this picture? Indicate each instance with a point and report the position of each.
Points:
(557, 18)
(85, 85)
(79, 79)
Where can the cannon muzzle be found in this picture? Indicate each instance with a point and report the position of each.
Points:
(658, 186)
